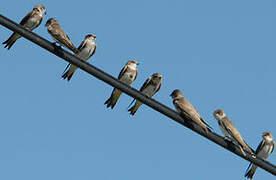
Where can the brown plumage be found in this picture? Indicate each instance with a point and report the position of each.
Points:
(86, 49)
(127, 75)
(184, 107)
(30, 21)
(230, 131)
(150, 87)
(59, 35)
(264, 149)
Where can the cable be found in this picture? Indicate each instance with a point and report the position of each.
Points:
(98, 73)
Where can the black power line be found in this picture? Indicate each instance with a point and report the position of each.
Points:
(98, 73)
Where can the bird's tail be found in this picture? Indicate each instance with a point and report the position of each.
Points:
(242, 150)
(135, 107)
(69, 73)
(250, 173)
(113, 98)
(73, 48)
(208, 126)
(249, 148)
(9, 42)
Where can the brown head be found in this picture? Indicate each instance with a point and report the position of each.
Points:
(91, 36)
(50, 22)
(132, 62)
(267, 136)
(156, 77)
(219, 114)
(40, 8)
(176, 94)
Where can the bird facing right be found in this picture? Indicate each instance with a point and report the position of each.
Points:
(149, 88)
(264, 149)
(87, 48)
(31, 21)
(127, 75)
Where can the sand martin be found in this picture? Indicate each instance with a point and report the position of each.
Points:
(30, 22)
(59, 36)
(230, 131)
(264, 149)
(127, 75)
(184, 107)
(149, 88)
(87, 48)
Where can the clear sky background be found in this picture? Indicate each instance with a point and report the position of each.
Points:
(221, 54)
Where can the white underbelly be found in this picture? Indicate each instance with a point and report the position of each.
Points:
(127, 78)
(264, 153)
(86, 53)
(31, 23)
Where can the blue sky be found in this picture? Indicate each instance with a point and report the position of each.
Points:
(221, 54)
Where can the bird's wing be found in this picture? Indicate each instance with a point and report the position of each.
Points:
(146, 83)
(183, 109)
(81, 45)
(57, 32)
(202, 120)
(61, 37)
(94, 50)
(26, 18)
(260, 147)
(136, 74)
(158, 87)
(142, 88)
(248, 168)
(232, 130)
(122, 72)
(235, 134)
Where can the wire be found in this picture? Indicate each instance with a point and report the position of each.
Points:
(98, 73)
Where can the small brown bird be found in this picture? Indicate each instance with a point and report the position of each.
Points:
(30, 21)
(184, 107)
(149, 88)
(59, 35)
(87, 48)
(230, 131)
(264, 149)
(127, 75)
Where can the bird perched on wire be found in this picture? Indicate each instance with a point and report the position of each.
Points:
(59, 35)
(127, 75)
(186, 109)
(149, 88)
(230, 131)
(86, 49)
(264, 149)
(30, 21)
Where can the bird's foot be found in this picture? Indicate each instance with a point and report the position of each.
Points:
(56, 46)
